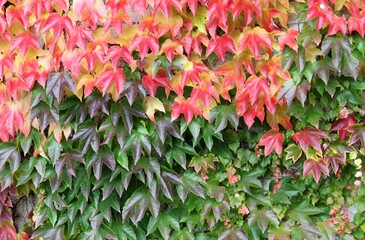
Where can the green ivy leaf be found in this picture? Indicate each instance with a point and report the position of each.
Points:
(9, 153)
(88, 135)
(262, 218)
(136, 206)
(222, 115)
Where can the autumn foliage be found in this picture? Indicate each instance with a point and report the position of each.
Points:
(231, 119)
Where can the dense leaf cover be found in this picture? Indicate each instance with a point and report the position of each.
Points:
(197, 119)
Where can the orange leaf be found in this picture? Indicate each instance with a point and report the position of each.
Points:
(253, 38)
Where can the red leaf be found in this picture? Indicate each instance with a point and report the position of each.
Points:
(233, 74)
(217, 16)
(170, 48)
(69, 58)
(89, 12)
(160, 80)
(187, 107)
(23, 41)
(321, 10)
(338, 24)
(205, 92)
(253, 38)
(249, 7)
(220, 45)
(341, 124)
(58, 23)
(145, 42)
(115, 52)
(253, 88)
(357, 23)
(7, 230)
(139, 5)
(164, 5)
(316, 168)
(193, 5)
(11, 119)
(357, 133)
(34, 6)
(309, 136)
(272, 140)
(194, 42)
(5, 62)
(111, 77)
(289, 38)
(17, 13)
(79, 37)
(335, 160)
(193, 73)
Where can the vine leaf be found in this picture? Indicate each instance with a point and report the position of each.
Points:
(294, 152)
(23, 41)
(68, 159)
(104, 155)
(341, 125)
(272, 140)
(339, 46)
(11, 119)
(57, 81)
(9, 152)
(222, 115)
(7, 230)
(89, 136)
(220, 45)
(253, 38)
(335, 160)
(151, 105)
(186, 107)
(165, 125)
(309, 136)
(357, 133)
(136, 206)
(289, 38)
(49, 232)
(111, 78)
(44, 113)
(262, 218)
(58, 23)
(316, 168)
(357, 23)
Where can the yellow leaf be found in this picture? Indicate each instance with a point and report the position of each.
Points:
(311, 52)
(151, 104)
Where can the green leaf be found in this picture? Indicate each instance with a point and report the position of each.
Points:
(165, 125)
(193, 182)
(222, 115)
(137, 205)
(262, 218)
(49, 233)
(9, 153)
(339, 45)
(294, 152)
(302, 210)
(88, 135)
(178, 153)
(53, 149)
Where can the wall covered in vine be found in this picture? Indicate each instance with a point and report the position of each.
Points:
(182, 119)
